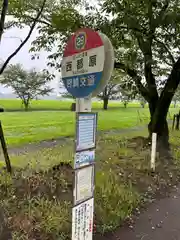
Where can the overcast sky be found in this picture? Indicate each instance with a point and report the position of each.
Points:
(10, 41)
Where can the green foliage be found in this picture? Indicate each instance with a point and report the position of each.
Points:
(27, 85)
(67, 95)
(176, 97)
(113, 87)
(119, 87)
(135, 28)
(141, 100)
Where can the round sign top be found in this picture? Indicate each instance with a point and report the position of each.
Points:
(82, 40)
(83, 62)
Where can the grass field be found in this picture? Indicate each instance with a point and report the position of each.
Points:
(42, 193)
(45, 105)
(40, 105)
(33, 126)
(27, 127)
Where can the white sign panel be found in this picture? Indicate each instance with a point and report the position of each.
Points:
(84, 158)
(86, 131)
(82, 221)
(88, 60)
(84, 184)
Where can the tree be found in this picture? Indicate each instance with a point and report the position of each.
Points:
(67, 95)
(141, 100)
(57, 21)
(111, 90)
(27, 85)
(108, 93)
(148, 34)
(126, 96)
(146, 38)
(118, 88)
(3, 26)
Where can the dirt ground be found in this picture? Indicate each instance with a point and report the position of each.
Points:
(160, 222)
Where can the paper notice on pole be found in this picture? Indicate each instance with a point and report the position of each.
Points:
(84, 184)
(86, 131)
(82, 221)
(84, 158)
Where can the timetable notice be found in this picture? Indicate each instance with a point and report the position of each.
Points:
(86, 131)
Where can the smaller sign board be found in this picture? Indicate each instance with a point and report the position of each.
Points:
(84, 158)
(84, 184)
(86, 126)
(82, 221)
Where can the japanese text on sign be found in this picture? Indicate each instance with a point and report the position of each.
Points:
(80, 61)
(84, 158)
(92, 61)
(81, 81)
(86, 129)
(84, 184)
(82, 221)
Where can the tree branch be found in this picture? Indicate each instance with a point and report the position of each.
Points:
(166, 49)
(162, 12)
(25, 40)
(137, 79)
(146, 48)
(39, 20)
(3, 16)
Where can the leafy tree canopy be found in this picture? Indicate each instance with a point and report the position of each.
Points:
(27, 85)
(6, 10)
(145, 35)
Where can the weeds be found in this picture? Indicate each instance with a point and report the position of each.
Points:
(37, 199)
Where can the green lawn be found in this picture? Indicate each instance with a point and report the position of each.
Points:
(36, 105)
(26, 127)
(51, 119)
(44, 197)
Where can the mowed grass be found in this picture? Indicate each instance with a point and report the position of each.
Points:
(34, 126)
(46, 105)
(40, 105)
(20, 128)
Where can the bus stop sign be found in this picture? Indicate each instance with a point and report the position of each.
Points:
(83, 63)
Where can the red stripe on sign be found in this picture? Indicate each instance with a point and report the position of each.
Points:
(82, 40)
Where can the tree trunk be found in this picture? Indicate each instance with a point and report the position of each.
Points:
(142, 104)
(125, 104)
(105, 103)
(158, 124)
(26, 105)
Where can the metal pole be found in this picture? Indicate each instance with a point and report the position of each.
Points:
(83, 191)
